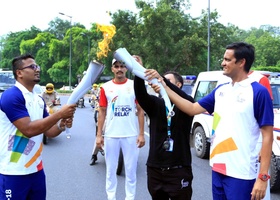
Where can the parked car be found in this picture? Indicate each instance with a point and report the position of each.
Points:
(67, 88)
(275, 158)
(189, 81)
(7, 79)
(202, 123)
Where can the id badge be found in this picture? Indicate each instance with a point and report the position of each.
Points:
(171, 142)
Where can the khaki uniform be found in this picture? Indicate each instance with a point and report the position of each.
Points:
(49, 98)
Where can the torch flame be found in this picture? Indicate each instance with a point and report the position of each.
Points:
(108, 32)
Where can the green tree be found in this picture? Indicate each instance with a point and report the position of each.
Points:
(163, 34)
(11, 45)
(60, 53)
(266, 47)
(58, 27)
(39, 47)
(169, 39)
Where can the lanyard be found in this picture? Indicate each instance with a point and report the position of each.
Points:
(168, 116)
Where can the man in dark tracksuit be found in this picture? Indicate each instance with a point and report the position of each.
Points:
(168, 167)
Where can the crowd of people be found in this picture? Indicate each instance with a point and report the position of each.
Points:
(243, 132)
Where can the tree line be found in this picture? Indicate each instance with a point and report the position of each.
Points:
(166, 36)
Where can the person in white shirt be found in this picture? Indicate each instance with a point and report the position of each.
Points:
(23, 119)
(242, 111)
(123, 128)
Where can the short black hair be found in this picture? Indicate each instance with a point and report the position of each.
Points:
(17, 62)
(243, 50)
(177, 77)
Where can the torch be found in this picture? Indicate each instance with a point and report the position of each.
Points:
(132, 65)
(93, 72)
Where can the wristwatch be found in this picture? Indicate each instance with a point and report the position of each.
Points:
(264, 177)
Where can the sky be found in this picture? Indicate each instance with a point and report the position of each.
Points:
(19, 15)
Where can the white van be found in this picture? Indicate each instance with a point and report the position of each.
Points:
(202, 123)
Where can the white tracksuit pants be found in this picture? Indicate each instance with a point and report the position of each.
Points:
(130, 154)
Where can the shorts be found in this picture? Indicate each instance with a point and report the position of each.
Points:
(22, 187)
(229, 188)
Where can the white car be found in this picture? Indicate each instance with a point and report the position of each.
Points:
(67, 88)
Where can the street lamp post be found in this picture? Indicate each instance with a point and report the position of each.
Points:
(84, 34)
(208, 40)
(70, 53)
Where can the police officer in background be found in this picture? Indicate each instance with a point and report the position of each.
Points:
(50, 95)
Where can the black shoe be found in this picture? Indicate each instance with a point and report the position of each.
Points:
(93, 160)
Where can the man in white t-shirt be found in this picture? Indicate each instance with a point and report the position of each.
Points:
(123, 128)
(23, 119)
(242, 110)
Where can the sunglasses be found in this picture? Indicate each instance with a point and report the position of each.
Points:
(32, 66)
(49, 88)
(119, 66)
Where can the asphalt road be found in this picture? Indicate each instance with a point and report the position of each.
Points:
(70, 177)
